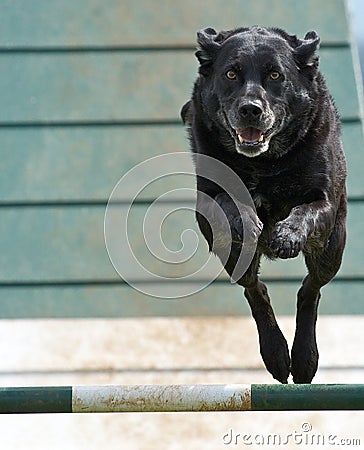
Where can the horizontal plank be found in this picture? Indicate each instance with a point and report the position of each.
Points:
(85, 163)
(159, 22)
(218, 299)
(126, 85)
(61, 243)
(158, 244)
(163, 346)
(51, 164)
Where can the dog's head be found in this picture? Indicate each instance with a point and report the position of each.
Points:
(257, 85)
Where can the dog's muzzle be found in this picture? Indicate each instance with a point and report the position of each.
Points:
(251, 141)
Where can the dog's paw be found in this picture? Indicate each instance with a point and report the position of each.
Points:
(287, 239)
(275, 354)
(304, 360)
(246, 227)
(236, 222)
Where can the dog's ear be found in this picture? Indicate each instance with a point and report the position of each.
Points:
(186, 114)
(305, 53)
(208, 48)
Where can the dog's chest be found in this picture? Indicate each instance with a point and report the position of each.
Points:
(270, 196)
(263, 190)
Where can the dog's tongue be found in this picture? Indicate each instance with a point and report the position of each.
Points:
(250, 134)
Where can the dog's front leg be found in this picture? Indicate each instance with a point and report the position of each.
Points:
(225, 221)
(290, 235)
(225, 224)
(273, 345)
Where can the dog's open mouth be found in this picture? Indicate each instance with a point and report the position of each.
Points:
(250, 136)
(251, 141)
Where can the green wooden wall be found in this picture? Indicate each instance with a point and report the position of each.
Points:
(90, 89)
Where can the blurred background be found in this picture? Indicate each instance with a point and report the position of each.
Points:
(91, 89)
(356, 10)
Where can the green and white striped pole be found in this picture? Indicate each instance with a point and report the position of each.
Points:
(187, 398)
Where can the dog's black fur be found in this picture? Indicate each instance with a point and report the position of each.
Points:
(261, 106)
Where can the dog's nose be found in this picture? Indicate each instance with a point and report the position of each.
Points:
(250, 110)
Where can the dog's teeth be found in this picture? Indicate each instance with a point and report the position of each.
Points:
(241, 140)
(261, 139)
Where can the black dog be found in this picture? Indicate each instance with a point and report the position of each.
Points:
(261, 107)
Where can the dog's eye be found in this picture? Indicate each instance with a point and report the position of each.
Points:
(274, 75)
(231, 75)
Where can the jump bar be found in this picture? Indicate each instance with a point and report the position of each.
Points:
(186, 398)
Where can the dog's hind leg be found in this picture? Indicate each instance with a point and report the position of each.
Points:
(322, 267)
(273, 345)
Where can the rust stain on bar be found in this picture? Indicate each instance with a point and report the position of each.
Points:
(162, 398)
